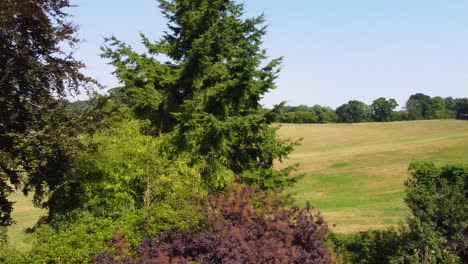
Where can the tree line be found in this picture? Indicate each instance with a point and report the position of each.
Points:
(418, 107)
(177, 164)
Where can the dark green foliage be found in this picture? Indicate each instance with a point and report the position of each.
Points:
(421, 106)
(374, 246)
(399, 116)
(5, 205)
(382, 109)
(299, 108)
(304, 114)
(243, 226)
(461, 108)
(418, 107)
(34, 69)
(298, 117)
(353, 112)
(438, 200)
(437, 229)
(325, 114)
(450, 103)
(207, 94)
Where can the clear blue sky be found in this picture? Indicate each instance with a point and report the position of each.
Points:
(335, 50)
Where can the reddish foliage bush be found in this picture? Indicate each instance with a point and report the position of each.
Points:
(240, 233)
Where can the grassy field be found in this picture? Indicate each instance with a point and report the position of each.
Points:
(25, 216)
(354, 173)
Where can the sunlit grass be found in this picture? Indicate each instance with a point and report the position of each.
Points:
(354, 173)
(25, 216)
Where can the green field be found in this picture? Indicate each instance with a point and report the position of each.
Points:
(354, 173)
(25, 216)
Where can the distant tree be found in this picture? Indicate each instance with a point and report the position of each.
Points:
(325, 114)
(417, 105)
(450, 103)
(79, 107)
(307, 114)
(414, 109)
(461, 108)
(399, 116)
(299, 117)
(382, 109)
(35, 69)
(421, 106)
(302, 108)
(353, 112)
(438, 102)
(441, 110)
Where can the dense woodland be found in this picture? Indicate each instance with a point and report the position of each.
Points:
(418, 107)
(176, 165)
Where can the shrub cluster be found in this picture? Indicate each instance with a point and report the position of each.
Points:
(243, 226)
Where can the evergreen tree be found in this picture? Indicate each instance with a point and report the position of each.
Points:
(208, 91)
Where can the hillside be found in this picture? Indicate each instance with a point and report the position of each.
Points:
(354, 173)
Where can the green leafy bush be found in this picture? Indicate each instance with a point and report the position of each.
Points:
(374, 246)
(73, 238)
(8, 254)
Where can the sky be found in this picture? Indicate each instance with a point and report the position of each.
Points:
(334, 50)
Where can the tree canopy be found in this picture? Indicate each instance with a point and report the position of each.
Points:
(421, 106)
(208, 90)
(180, 163)
(382, 109)
(35, 69)
(352, 112)
(461, 107)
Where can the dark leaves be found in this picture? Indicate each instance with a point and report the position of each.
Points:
(239, 233)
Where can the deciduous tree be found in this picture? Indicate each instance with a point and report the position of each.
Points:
(35, 70)
(352, 112)
(382, 109)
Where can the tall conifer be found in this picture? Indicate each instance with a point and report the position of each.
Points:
(203, 82)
